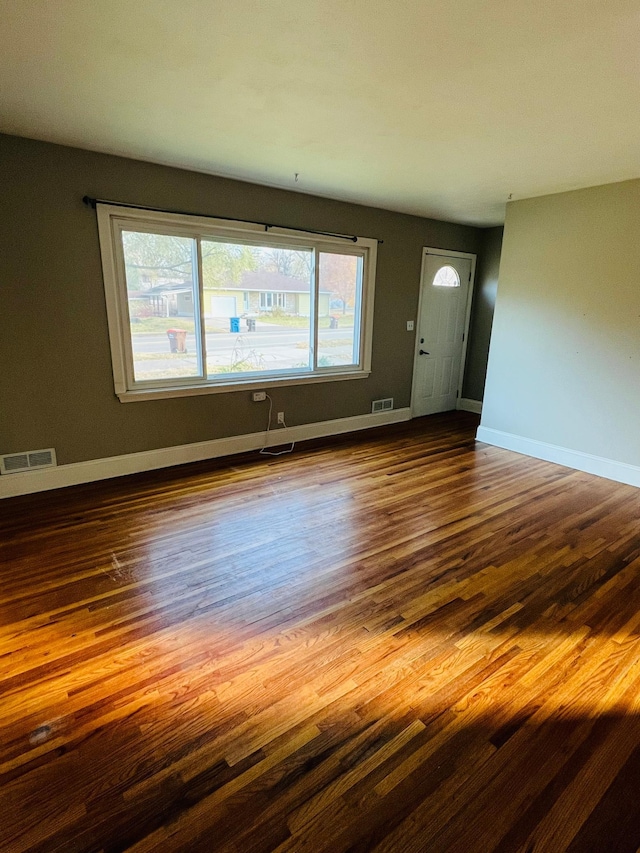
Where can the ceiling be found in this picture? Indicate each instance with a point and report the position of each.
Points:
(439, 108)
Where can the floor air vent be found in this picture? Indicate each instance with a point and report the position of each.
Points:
(382, 405)
(12, 463)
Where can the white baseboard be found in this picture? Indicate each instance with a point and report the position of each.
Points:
(621, 472)
(27, 482)
(469, 405)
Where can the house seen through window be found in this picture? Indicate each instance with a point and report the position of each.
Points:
(196, 305)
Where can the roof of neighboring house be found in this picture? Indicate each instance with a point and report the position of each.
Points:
(169, 289)
(259, 280)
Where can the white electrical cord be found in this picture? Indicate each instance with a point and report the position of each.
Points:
(264, 450)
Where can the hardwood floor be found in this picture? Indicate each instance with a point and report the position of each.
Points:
(399, 642)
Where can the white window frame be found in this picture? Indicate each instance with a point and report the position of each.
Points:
(113, 220)
(270, 299)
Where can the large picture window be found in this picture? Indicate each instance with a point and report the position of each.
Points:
(198, 305)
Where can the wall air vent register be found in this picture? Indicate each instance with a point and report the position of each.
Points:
(14, 463)
(382, 405)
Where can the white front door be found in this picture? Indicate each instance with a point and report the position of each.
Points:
(445, 288)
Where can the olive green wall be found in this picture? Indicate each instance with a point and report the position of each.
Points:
(484, 300)
(564, 365)
(56, 385)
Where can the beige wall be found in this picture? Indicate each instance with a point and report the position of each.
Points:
(56, 383)
(482, 308)
(564, 364)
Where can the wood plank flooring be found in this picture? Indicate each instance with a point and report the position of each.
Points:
(399, 641)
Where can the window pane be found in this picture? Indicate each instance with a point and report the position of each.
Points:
(339, 309)
(257, 306)
(446, 277)
(162, 294)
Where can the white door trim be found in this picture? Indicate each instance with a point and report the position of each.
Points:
(445, 253)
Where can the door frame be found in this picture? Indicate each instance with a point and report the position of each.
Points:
(445, 253)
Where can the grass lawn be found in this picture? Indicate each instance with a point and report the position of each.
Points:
(159, 325)
(345, 321)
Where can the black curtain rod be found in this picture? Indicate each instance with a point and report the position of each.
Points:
(92, 202)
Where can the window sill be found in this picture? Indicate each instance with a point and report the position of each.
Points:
(251, 384)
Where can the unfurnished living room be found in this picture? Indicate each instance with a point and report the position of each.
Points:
(319, 426)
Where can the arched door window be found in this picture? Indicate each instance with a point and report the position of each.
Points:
(446, 277)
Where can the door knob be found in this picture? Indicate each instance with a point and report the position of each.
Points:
(423, 352)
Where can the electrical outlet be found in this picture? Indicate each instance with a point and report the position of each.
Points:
(409, 325)
(280, 417)
(259, 396)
